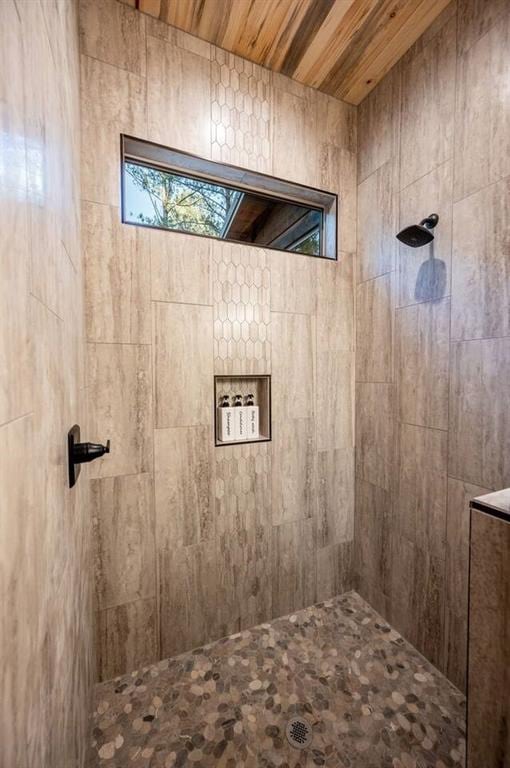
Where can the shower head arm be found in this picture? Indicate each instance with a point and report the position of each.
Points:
(430, 222)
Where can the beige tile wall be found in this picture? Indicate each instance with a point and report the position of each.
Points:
(46, 617)
(228, 537)
(433, 351)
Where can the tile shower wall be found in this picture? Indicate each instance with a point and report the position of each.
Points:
(46, 637)
(194, 542)
(433, 333)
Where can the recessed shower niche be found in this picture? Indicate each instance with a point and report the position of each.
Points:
(242, 409)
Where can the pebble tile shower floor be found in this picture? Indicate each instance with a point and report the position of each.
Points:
(373, 701)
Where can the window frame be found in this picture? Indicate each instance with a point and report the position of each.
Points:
(300, 194)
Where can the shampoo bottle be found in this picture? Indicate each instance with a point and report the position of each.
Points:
(239, 418)
(225, 421)
(252, 418)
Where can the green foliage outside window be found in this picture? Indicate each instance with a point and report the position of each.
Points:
(177, 202)
(310, 245)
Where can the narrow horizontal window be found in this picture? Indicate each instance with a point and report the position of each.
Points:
(173, 190)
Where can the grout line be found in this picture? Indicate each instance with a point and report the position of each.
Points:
(41, 302)
(361, 381)
(120, 476)
(374, 277)
(480, 189)
(157, 577)
(471, 482)
(114, 66)
(17, 11)
(98, 202)
(181, 303)
(431, 302)
(120, 343)
(479, 338)
(285, 312)
(75, 269)
(419, 178)
(315, 467)
(444, 650)
(17, 418)
(113, 606)
(425, 301)
(420, 426)
(192, 426)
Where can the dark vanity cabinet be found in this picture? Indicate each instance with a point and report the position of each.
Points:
(489, 633)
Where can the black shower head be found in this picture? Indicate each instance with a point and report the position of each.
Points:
(419, 234)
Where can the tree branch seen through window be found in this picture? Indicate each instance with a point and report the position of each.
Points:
(167, 200)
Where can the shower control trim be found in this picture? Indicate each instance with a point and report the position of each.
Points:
(81, 453)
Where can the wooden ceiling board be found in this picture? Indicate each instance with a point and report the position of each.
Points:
(380, 59)
(297, 47)
(341, 47)
(381, 16)
(268, 40)
(250, 28)
(151, 7)
(391, 31)
(335, 36)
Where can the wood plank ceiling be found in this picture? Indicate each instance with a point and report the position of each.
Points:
(341, 47)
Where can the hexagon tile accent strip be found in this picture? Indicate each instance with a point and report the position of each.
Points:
(240, 112)
(241, 293)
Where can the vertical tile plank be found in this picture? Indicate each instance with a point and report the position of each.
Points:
(113, 102)
(123, 517)
(293, 350)
(376, 224)
(374, 313)
(180, 268)
(183, 480)
(481, 264)
(335, 497)
(187, 601)
(178, 117)
(375, 460)
(120, 402)
(483, 136)
(479, 444)
(428, 101)
(113, 33)
(294, 566)
(294, 470)
(422, 488)
(117, 277)
(422, 337)
(126, 638)
(334, 390)
(183, 365)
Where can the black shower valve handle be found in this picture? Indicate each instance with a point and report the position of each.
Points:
(81, 453)
(85, 452)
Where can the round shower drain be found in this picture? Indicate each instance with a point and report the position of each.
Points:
(299, 733)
